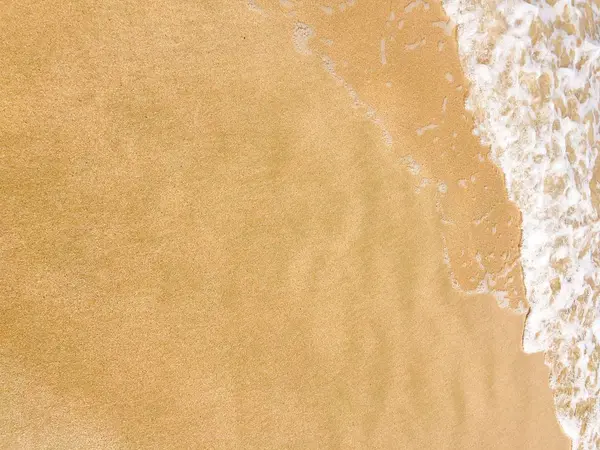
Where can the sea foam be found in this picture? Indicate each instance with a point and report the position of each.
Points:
(534, 68)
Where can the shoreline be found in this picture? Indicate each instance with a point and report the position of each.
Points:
(211, 240)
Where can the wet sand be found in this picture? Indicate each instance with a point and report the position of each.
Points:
(212, 240)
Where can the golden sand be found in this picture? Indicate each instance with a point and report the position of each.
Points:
(224, 226)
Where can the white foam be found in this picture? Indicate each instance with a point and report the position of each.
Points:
(422, 130)
(301, 36)
(535, 94)
(414, 5)
(382, 52)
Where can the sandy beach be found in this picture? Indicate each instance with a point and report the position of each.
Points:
(254, 225)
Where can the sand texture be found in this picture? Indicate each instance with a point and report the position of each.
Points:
(253, 225)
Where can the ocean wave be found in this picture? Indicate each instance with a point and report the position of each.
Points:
(534, 68)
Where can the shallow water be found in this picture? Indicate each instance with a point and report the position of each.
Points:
(535, 73)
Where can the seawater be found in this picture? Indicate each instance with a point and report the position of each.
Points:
(534, 68)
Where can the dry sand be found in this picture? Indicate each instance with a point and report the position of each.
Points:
(210, 240)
